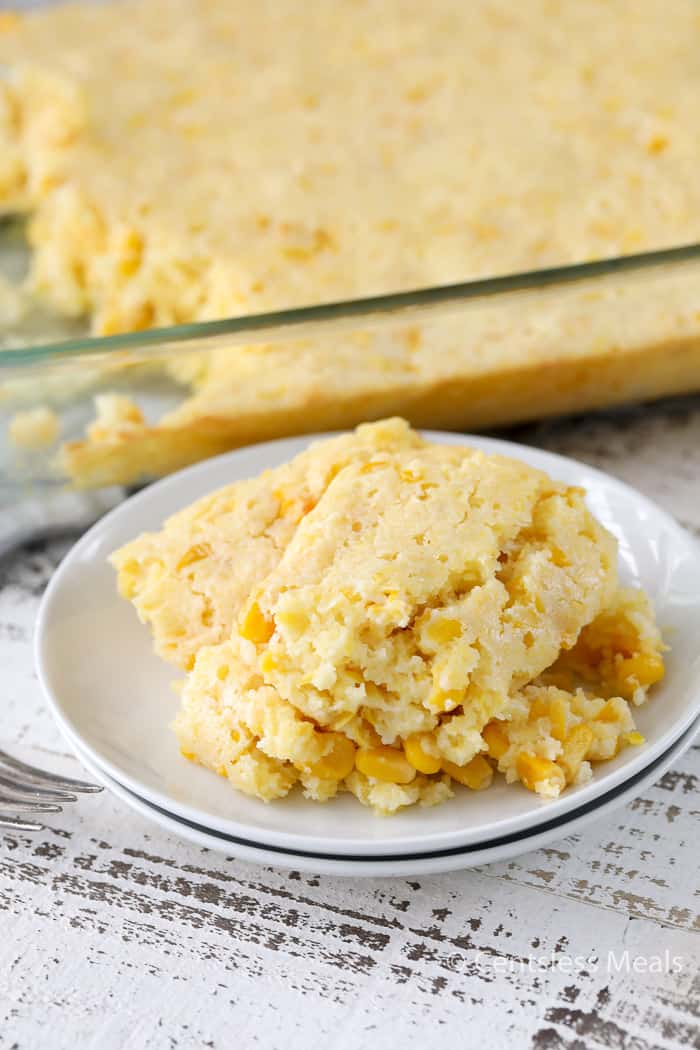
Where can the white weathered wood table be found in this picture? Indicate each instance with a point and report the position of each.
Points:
(114, 934)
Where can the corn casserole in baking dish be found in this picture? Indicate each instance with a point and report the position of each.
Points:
(258, 156)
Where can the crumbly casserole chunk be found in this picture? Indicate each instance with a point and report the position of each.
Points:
(390, 617)
(189, 581)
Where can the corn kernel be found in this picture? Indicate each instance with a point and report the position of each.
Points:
(295, 622)
(642, 669)
(657, 144)
(127, 580)
(446, 700)
(476, 775)
(538, 709)
(417, 749)
(555, 709)
(574, 750)
(385, 763)
(534, 771)
(339, 761)
(609, 712)
(292, 506)
(496, 740)
(443, 631)
(634, 739)
(193, 554)
(558, 711)
(254, 626)
(267, 662)
(132, 248)
(558, 558)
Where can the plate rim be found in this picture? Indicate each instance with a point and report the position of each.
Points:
(251, 851)
(540, 811)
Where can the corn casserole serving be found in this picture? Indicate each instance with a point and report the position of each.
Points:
(259, 156)
(392, 617)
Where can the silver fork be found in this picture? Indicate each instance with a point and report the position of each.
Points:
(26, 789)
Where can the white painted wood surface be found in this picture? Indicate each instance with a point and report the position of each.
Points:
(114, 934)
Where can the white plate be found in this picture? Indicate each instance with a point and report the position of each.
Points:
(110, 692)
(456, 860)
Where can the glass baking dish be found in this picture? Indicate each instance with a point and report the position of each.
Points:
(83, 419)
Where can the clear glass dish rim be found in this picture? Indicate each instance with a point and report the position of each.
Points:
(279, 321)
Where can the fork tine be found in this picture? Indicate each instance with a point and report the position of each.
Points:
(39, 776)
(18, 824)
(23, 805)
(30, 789)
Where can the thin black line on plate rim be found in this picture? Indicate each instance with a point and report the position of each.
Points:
(453, 851)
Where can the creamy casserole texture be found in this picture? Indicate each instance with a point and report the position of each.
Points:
(392, 617)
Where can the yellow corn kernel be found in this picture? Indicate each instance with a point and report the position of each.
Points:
(476, 775)
(534, 770)
(374, 464)
(109, 324)
(644, 669)
(539, 708)
(558, 712)
(496, 740)
(254, 626)
(132, 248)
(608, 713)
(574, 750)
(286, 504)
(339, 761)
(292, 506)
(193, 554)
(555, 709)
(267, 662)
(443, 631)
(657, 144)
(127, 580)
(558, 558)
(295, 622)
(187, 754)
(419, 752)
(385, 763)
(446, 700)
(635, 739)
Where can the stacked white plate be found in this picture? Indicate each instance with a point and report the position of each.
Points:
(113, 700)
